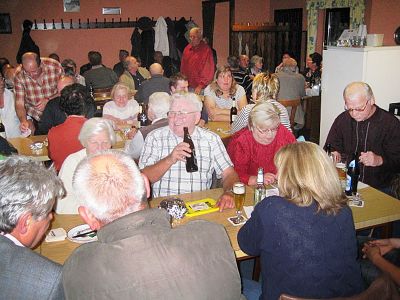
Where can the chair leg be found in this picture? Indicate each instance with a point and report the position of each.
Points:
(257, 269)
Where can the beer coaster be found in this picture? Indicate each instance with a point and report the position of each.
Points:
(233, 221)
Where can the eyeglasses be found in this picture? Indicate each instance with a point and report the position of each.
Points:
(182, 114)
(267, 131)
(350, 110)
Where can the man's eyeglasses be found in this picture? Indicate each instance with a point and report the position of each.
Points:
(182, 114)
(350, 110)
(267, 131)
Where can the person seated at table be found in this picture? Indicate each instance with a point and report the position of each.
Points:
(52, 114)
(265, 89)
(70, 69)
(158, 108)
(305, 237)
(286, 55)
(99, 76)
(383, 257)
(313, 72)
(8, 116)
(97, 134)
(370, 131)
(256, 66)
(241, 77)
(28, 191)
(134, 75)
(255, 146)
(219, 96)
(164, 154)
(122, 110)
(113, 193)
(63, 138)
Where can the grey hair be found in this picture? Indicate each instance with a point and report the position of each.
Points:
(159, 102)
(255, 59)
(110, 185)
(93, 127)
(358, 88)
(191, 98)
(26, 186)
(264, 113)
(198, 30)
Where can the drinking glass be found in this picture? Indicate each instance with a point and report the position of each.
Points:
(341, 167)
(239, 192)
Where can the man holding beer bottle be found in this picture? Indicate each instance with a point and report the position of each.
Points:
(164, 154)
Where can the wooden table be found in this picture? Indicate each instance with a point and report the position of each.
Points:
(379, 209)
(220, 128)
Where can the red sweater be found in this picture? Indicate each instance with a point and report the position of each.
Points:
(63, 139)
(248, 155)
(198, 65)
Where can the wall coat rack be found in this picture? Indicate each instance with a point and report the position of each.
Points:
(87, 24)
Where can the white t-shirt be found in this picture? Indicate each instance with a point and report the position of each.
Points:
(128, 112)
(8, 115)
(224, 103)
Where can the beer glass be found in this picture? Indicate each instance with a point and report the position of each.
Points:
(239, 192)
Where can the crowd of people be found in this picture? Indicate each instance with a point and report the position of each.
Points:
(305, 237)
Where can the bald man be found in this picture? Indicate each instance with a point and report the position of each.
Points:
(157, 83)
(52, 114)
(35, 84)
(197, 62)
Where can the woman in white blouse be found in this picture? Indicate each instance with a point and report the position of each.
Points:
(121, 110)
(221, 93)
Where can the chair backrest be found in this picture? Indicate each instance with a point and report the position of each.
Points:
(383, 288)
(102, 94)
(293, 104)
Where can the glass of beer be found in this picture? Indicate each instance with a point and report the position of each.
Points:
(239, 191)
(341, 167)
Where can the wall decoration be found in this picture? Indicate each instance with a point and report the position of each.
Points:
(5, 23)
(72, 5)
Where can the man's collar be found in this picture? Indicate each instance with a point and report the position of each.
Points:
(13, 239)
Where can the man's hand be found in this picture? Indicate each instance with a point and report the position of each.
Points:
(386, 245)
(197, 90)
(42, 104)
(131, 133)
(371, 251)
(226, 201)
(336, 156)
(180, 152)
(370, 159)
(25, 125)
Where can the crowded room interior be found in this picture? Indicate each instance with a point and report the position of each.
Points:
(200, 149)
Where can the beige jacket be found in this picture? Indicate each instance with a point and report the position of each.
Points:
(126, 78)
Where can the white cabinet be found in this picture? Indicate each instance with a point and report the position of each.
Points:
(377, 66)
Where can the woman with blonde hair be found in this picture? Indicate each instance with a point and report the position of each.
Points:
(121, 110)
(220, 95)
(265, 89)
(255, 146)
(305, 236)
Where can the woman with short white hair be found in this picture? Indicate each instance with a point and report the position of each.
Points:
(97, 134)
(255, 146)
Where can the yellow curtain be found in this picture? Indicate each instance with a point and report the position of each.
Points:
(357, 9)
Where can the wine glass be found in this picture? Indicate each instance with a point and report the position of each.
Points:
(239, 193)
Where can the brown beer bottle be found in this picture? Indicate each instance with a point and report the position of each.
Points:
(191, 162)
(233, 113)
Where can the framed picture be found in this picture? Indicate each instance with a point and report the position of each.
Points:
(5, 23)
(72, 5)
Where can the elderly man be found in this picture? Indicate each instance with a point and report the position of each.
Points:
(35, 83)
(244, 63)
(26, 202)
(134, 75)
(164, 154)
(370, 131)
(99, 76)
(159, 103)
(138, 255)
(157, 83)
(197, 62)
(52, 114)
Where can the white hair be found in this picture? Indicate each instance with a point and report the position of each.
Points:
(93, 127)
(159, 103)
(191, 98)
(110, 185)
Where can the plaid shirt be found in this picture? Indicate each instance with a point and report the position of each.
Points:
(33, 92)
(210, 153)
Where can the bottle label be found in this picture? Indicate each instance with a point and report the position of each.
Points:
(233, 118)
(348, 183)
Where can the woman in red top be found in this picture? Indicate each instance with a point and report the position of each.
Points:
(255, 146)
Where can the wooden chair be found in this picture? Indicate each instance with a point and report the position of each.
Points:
(383, 288)
(293, 104)
(101, 97)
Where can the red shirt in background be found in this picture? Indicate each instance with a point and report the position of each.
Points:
(198, 65)
(63, 139)
(248, 155)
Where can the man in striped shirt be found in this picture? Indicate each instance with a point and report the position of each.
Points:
(35, 84)
(164, 154)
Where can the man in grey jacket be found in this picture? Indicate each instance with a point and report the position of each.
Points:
(26, 203)
(138, 255)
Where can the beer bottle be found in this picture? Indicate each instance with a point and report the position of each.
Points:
(353, 173)
(142, 117)
(233, 114)
(191, 162)
(2, 129)
(259, 191)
